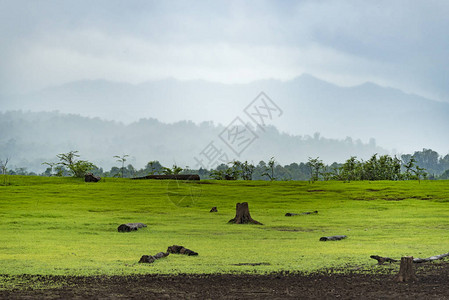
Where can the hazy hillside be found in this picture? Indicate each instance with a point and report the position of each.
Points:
(32, 138)
(396, 120)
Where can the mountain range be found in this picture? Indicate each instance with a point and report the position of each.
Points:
(396, 121)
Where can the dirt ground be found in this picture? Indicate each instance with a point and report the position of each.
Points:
(433, 283)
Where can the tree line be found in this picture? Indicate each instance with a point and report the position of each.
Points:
(425, 164)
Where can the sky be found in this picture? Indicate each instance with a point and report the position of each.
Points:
(402, 44)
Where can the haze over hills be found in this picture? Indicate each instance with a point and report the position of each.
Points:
(145, 121)
(396, 120)
(30, 139)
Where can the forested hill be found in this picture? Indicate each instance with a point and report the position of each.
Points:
(396, 120)
(30, 138)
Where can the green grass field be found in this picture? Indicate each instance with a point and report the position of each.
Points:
(65, 226)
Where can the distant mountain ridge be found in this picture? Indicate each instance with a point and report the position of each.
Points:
(30, 139)
(395, 119)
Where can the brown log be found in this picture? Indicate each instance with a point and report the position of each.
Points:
(130, 227)
(381, 259)
(242, 215)
(436, 257)
(332, 238)
(171, 177)
(406, 271)
(181, 250)
(290, 214)
(151, 258)
(304, 213)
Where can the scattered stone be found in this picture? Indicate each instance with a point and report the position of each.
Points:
(175, 249)
(213, 209)
(89, 177)
(333, 238)
(151, 258)
(128, 227)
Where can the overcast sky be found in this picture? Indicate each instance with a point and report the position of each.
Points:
(403, 44)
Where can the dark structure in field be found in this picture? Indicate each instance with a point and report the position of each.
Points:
(213, 209)
(89, 177)
(242, 215)
(172, 177)
(130, 227)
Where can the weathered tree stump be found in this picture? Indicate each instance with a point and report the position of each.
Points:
(89, 177)
(213, 209)
(332, 238)
(181, 250)
(406, 271)
(128, 227)
(151, 258)
(242, 215)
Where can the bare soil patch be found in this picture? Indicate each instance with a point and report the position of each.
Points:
(433, 283)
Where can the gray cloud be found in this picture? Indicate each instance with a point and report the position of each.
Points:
(394, 43)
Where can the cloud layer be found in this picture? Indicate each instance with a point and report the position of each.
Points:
(400, 43)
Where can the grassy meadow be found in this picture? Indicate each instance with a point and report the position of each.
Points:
(64, 226)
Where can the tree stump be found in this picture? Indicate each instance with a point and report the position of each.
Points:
(406, 271)
(242, 215)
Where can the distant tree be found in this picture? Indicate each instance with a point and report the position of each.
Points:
(269, 170)
(4, 168)
(78, 168)
(174, 170)
(445, 175)
(316, 167)
(247, 170)
(131, 171)
(122, 160)
(217, 174)
(49, 170)
(153, 167)
(349, 170)
(409, 164)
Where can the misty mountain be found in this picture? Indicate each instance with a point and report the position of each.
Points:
(396, 120)
(29, 139)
